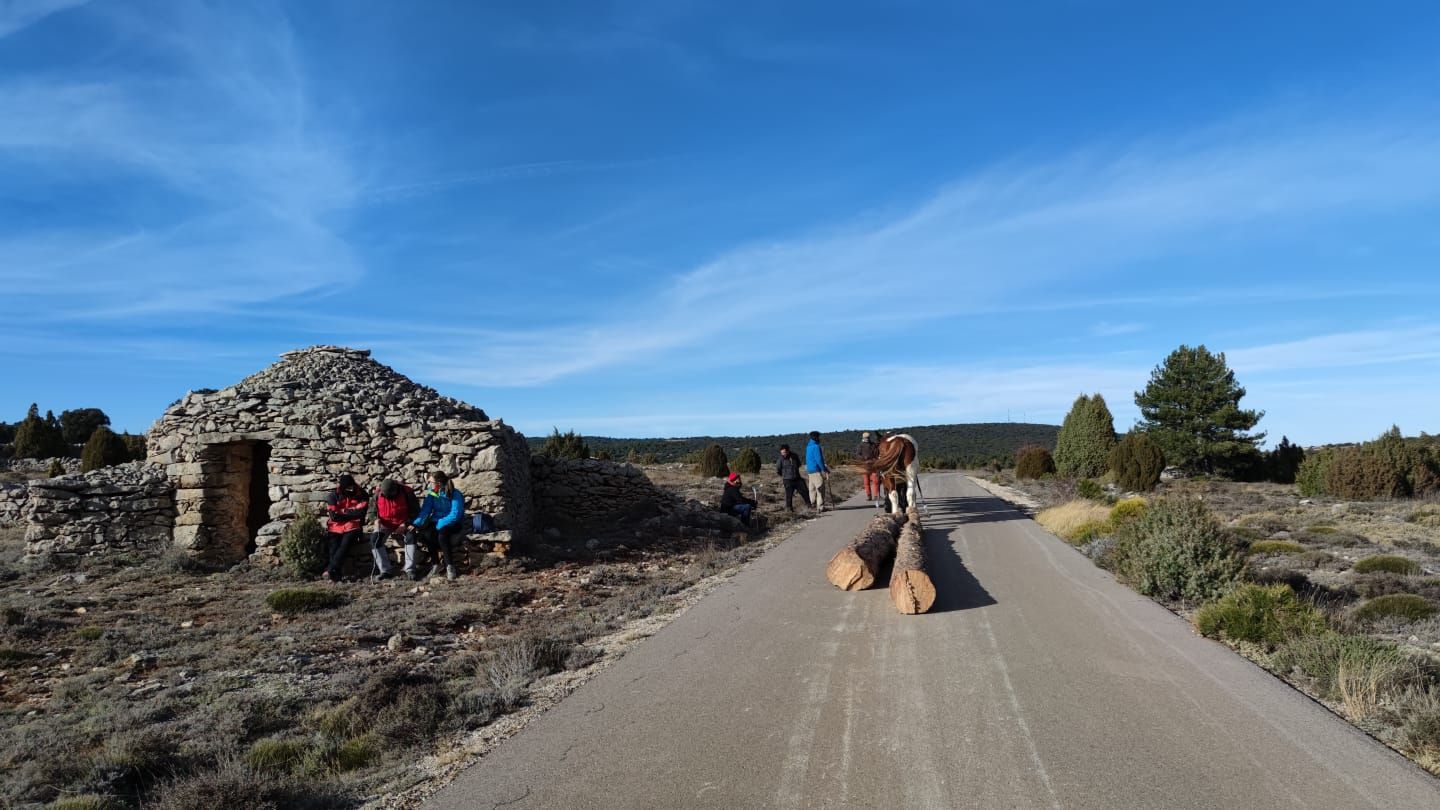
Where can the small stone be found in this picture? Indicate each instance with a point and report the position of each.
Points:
(187, 624)
(81, 610)
(396, 642)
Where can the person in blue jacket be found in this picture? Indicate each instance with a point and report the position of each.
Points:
(818, 474)
(439, 527)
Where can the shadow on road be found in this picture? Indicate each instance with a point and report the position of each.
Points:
(955, 587)
(947, 513)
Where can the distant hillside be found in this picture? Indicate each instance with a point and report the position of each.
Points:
(947, 446)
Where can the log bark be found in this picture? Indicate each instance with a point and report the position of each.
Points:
(854, 567)
(910, 587)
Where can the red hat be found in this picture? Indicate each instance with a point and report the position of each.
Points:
(734, 477)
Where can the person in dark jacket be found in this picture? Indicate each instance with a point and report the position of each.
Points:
(440, 525)
(788, 468)
(391, 510)
(345, 508)
(734, 502)
(867, 452)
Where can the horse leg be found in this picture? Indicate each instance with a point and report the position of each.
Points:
(912, 482)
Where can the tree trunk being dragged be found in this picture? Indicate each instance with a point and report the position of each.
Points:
(910, 587)
(855, 566)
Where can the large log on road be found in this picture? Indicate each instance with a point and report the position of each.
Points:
(855, 566)
(910, 587)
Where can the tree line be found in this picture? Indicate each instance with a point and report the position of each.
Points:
(83, 431)
(1191, 418)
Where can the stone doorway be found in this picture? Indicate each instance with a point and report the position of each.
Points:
(237, 497)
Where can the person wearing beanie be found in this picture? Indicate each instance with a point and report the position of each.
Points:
(345, 507)
(391, 510)
(734, 502)
(866, 452)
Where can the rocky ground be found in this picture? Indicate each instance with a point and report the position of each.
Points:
(141, 678)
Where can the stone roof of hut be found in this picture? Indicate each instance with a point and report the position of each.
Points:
(322, 382)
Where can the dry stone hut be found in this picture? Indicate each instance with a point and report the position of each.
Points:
(246, 459)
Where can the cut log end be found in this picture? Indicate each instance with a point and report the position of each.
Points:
(848, 572)
(912, 592)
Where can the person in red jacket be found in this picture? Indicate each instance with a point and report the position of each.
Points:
(346, 508)
(392, 509)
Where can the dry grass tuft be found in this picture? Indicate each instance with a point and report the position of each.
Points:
(1069, 520)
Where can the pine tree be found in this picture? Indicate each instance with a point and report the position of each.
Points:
(565, 445)
(1284, 461)
(103, 449)
(1191, 408)
(78, 424)
(39, 438)
(713, 463)
(1082, 448)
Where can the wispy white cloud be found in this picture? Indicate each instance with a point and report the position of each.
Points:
(16, 15)
(990, 243)
(1107, 329)
(230, 130)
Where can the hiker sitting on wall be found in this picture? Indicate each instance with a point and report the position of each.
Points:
(734, 502)
(392, 509)
(439, 527)
(345, 508)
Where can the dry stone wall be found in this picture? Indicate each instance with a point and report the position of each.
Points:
(130, 507)
(246, 459)
(12, 500)
(586, 495)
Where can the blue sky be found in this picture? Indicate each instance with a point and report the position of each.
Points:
(640, 218)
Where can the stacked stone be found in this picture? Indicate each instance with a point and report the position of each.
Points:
(12, 500)
(41, 466)
(575, 495)
(321, 412)
(130, 507)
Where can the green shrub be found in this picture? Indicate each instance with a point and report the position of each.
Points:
(237, 787)
(356, 753)
(1360, 475)
(10, 655)
(1260, 615)
(275, 754)
(1176, 551)
(300, 600)
(1386, 563)
(1313, 559)
(565, 445)
(103, 449)
(1405, 606)
(713, 463)
(1089, 489)
(1033, 461)
(1310, 477)
(1088, 531)
(1359, 671)
(56, 469)
(302, 546)
(747, 462)
(1136, 462)
(1420, 708)
(1276, 547)
(1126, 510)
(1084, 441)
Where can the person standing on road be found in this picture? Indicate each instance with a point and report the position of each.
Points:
(818, 473)
(788, 468)
(866, 453)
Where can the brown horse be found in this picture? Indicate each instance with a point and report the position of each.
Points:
(897, 455)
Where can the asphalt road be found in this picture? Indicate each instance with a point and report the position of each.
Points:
(1036, 681)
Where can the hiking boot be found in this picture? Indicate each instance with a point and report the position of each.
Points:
(384, 575)
(451, 574)
(413, 574)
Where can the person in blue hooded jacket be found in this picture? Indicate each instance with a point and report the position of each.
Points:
(439, 527)
(818, 474)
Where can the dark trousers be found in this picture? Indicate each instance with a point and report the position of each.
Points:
(339, 543)
(792, 486)
(440, 542)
